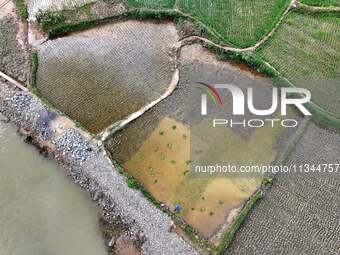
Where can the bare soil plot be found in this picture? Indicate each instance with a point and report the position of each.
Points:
(306, 50)
(155, 148)
(102, 75)
(13, 59)
(239, 23)
(300, 213)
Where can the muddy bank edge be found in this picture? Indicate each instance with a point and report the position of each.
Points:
(86, 163)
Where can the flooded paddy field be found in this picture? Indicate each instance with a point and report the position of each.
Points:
(102, 75)
(157, 148)
(42, 211)
(300, 212)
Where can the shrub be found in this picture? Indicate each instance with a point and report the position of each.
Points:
(48, 19)
(22, 10)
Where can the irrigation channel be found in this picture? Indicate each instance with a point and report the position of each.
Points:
(41, 210)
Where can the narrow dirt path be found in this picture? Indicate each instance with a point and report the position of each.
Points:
(13, 81)
(108, 132)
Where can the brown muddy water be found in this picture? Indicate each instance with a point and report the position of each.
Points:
(41, 211)
(155, 148)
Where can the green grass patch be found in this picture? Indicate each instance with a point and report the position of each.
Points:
(50, 19)
(306, 50)
(151, 3)
(34, 69)
(229, 236)
(240, 23)
(22, 9)
(59, 26)
(237, 23)
(33, 82)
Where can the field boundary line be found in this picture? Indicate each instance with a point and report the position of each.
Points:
(251, 48)
(293, 142)
(317, 9)
(108, 132)
(13, 81)
(320, 112)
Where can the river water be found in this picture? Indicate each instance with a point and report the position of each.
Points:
(41, 211)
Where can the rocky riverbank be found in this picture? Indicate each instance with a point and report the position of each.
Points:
(86, 163)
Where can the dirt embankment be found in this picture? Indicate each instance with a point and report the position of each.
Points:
(88, 166)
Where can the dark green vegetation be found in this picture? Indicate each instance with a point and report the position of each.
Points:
(306, 50)
(241, 217)
(234, 22)
(152, 3)
(324, 3)
(49, 19)
(22, 9)
(34, 69)
(58, 23)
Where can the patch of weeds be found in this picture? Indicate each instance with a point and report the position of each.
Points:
(173, 162)
(267, 182)
(185, 172)
(50, 19)
(174, 127)
(132, 183)
(34, 70)
(86, 9)
(211, 213)
(229, 236)
(169, 145)
(22, 9)
(161, 132)
(188, 162)
(162, 157)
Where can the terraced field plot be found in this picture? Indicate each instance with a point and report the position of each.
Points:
(325, 3)
(306, 50)
(239, 22)
(102, 75)
(155, 148)
(300, 213)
